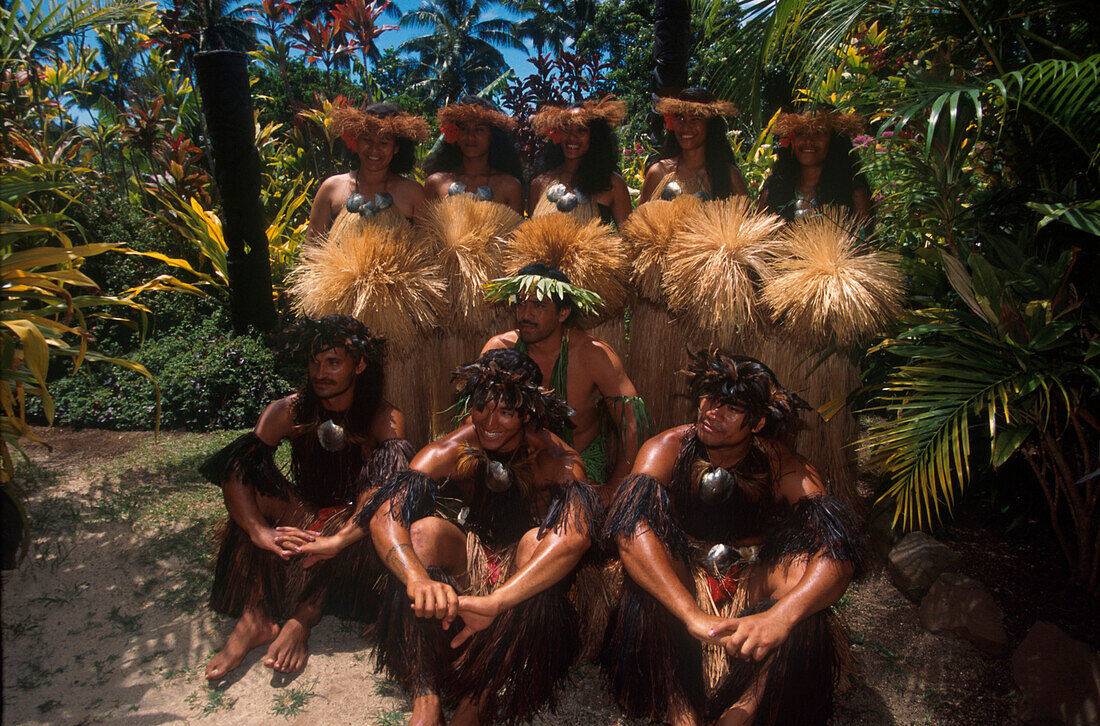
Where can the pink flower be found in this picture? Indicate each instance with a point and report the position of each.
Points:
(862, 141)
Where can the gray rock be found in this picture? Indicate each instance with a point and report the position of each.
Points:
(961, 605)
(917, 560)
(1058, 677)
(880, 529)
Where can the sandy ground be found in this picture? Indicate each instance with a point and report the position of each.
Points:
(103, 622)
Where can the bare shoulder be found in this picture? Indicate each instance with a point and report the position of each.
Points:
(509, 183)
(657, 456)
(555, 461)
(502, 341)
(661, 167)
(439, 458)
(617, 183)
(277, 420)
(388, 422)
(408, 186)
(796, 477)
(593, 350)
(435, 184)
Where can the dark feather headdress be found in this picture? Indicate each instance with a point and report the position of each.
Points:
(748, 384)
(486, 381)
(308, 337)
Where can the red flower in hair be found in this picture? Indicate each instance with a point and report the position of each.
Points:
(350, 141)
(450, 132)
(785, 141)
(670, 122)
(554, 135)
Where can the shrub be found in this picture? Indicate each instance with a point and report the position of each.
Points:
(208, 380)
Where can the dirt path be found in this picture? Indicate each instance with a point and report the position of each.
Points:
(104, 620)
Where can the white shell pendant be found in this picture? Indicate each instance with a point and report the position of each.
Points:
(715, 485)
(719, 559)
(331, 435)
(496, 477)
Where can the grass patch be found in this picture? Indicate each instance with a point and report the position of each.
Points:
(208, 700)
(47, 706)
(127, 624)
(32, 477)
(63, 595)
(25, 626)
(34, 675)
(387, 688)
(292, 701)
(390, 717)
(51, 516)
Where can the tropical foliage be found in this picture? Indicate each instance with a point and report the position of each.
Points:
(982, 150)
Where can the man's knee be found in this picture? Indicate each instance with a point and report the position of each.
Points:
(434, 540)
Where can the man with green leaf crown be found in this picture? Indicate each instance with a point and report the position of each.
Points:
(609, 418)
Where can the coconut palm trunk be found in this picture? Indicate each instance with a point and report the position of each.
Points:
(222, 77)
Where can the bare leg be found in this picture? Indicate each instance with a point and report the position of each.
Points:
(437, 543)
(252, 630)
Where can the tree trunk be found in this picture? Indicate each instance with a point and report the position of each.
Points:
(230, 126)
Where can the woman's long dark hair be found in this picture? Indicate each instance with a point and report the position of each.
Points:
(597, 165)
(719, 153)
(404, 159)
(503, 156)
(839, 178)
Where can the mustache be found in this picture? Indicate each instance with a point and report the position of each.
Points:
(528, 322)
(315, 381)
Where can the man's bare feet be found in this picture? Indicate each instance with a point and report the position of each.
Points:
(251, 631)
(290, 650)
(427, 711)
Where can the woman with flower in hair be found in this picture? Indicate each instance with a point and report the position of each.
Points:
(696, 157)
(383, 137)
(815, 166)
(476, 156)
(579, 167)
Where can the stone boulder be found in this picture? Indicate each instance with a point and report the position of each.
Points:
(1058, 677)
(962, 606)
(917, 560)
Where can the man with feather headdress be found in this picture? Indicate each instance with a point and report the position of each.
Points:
(499, 510)
(291, 549)
(728, 543)
(580, 367)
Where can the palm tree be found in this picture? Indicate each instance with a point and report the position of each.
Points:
(550, 25)
(460, 55)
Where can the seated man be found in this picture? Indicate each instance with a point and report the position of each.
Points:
(577, 366)
(344, 439)
(720, 518)
(499, 510)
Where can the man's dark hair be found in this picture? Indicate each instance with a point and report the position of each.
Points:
(404, 158)
(719, 153)
(503, 156)
(746, 383)
(510, 379)
(598, 163)
(309, 338)
(839, 178)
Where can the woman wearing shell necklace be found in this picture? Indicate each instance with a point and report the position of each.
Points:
(696, 157)
(580, 164)
(476, 155)
(815, 166)
(384, 139)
